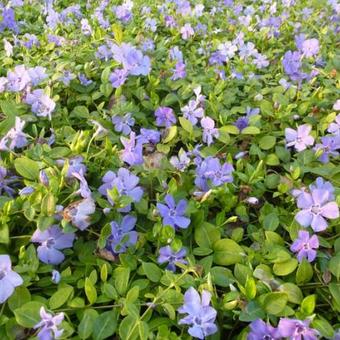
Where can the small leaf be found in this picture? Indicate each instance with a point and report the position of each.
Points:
(60, 297)
(170, 134)
(304, 272)
(227, 252)
(105, 325)
(28, 315)
(186, 125)
(90, 291)
(27, 168)
(250, 130)
(152, 272)
(85, 327)
(334, 266)
(267, 142)
(274, 303)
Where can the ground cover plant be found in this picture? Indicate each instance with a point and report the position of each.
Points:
(169, 169)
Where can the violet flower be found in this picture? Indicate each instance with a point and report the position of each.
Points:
(78, 213)
(172, 213)
(149, 136)
(15, 137)
(18, 79)
(165, 116)
(335, 126)
(41, 104)
(180, 162)
(122, 235)
(329, 147)
(122, 123)
(260, 330)
(75, 165)
(179, 72)
(37, 74)
(133, 150)
(297, 329)
(6, 181)
(305, 246)
(118, 77)
(49, 325)
(299, 138)
(292, 65)
(9, 279)
(192, 111)
(84, 189)
(310, 47)
(209, 130)
(200, 315)
(51, 241)
(187, 31)
(56, 277)
(167, 255)
(124, 181)
(316, 206)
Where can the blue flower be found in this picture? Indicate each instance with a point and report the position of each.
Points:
(201, 316)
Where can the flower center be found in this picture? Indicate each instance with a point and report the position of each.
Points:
(172, 212)
(49, 243)
(316, 209)
(2, 274)
(267, 337)
(197, 320)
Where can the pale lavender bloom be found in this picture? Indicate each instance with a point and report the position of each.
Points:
(122, 235)
(26, 191)
(49, 325)
(149, 136)
(176, 54)
(124, 181)
(84, 189)
(85, 27)
(305, 246)
(8, 20)
(260, 61)
(3, 83)
(310, 47)
(209, 130)
(179, 72)
(285, 84)
(8, 278)
(55, 276)
(75, 165)
(336, 105)
(172, 213)
(192, 112)
(17, 79)
(67, 77)
(41, 104)
(181, 162)
(297, 329)
(320, 184)
(335, 126)
(167, 255)
(292, 65)
(299, 138)
(315, 208)
(37, 74)
(170, 21)
(43, 178)
(210, 172)
(165, 116)
(227, 50)
(15, 137)
(122, 123)
(30, 40)
(83, 80)
(57, 40)
(133, 150)
(100, 130)
(260, 330)
(51, 242)
(247, 50)
(8, 48)
(124, 11)
(118, 77)
(79, 213)
(187, 31)
(104, 53)
(201, 316)
(329, 147)
(151, 24)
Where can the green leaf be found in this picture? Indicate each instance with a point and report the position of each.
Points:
(293, 292)
(334, 266)
(285, 268)
(334, 289)
(26, 168)
(250, 288)
(271, 222)
(308, 305)
(152, 272)
(128, 329)
(90, 291)
(117, 33)
(28, 315)
(105, 325)
(274, 303)
(231, 129)
(222, 276)
(227, 252)
(170, 134)
(206, 235)
(60, 297)
(267, 142)
(20, 296)
(9, 108)
(304, 272)
(186, 125)
(85, 327)
(324, 327)
(121, 278)
(250, 130)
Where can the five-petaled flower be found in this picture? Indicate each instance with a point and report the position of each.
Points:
(49, 325)
(305, 246)
(201, 316)
(299, 138)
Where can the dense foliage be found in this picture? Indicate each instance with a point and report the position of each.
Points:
(169, 169)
